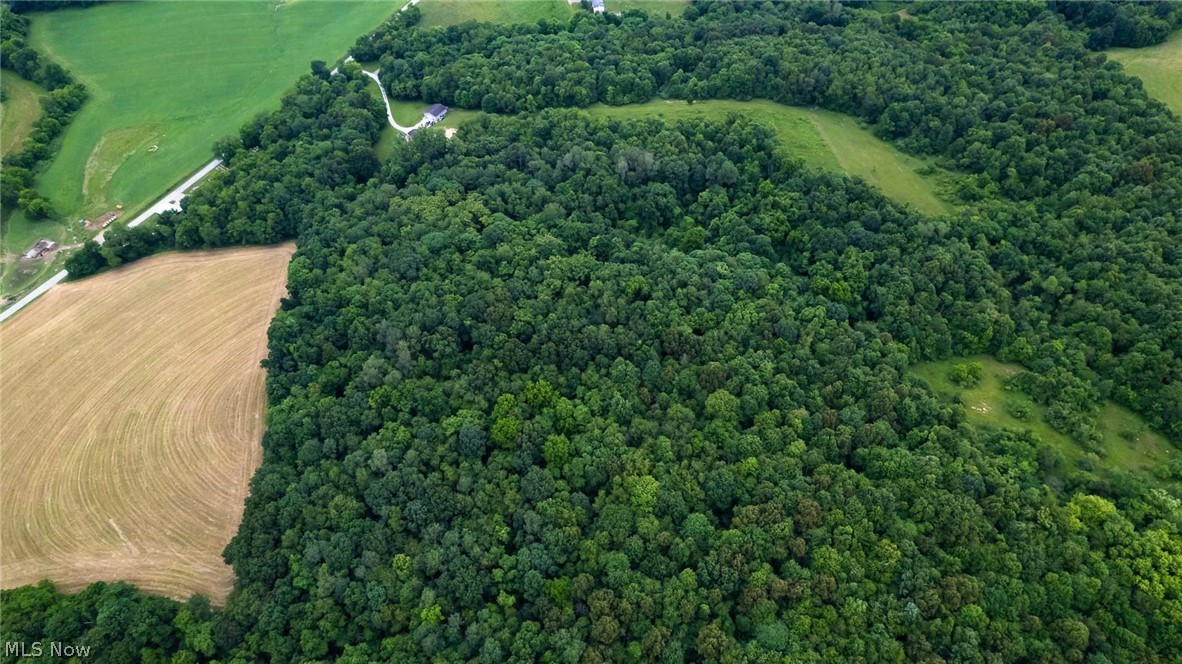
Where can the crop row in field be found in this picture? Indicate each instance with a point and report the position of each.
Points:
(132, 413)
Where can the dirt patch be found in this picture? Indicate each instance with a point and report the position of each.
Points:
(102, 221)
(109, 154)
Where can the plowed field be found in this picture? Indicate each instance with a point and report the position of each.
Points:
(131, 419)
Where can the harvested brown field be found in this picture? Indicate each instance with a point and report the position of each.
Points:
(131, 414)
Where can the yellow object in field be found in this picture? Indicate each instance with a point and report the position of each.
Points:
(119, 206)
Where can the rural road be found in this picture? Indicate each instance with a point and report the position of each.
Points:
(336, 69)
(374, 76)
(170, 201)
(33, 295)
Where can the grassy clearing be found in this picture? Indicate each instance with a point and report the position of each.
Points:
(391, 136)
(176, 77)
(456, 117)
(653, 7)
(132, 415)
(453, 12)
(406, 113)
(386, 142)
(986, 403)
(823, 139)
(19, 110)
(1128, 444)
(20, 233)
(1159, 68)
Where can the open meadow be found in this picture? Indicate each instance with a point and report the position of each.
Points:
(653, 7)
(19, 110)
(1127, 443)
(453, 12)
(167, 80)
(1159, 68)
(132, 410)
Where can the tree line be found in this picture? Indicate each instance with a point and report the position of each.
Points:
(1122, 23)
(576, 390)
(58, 106)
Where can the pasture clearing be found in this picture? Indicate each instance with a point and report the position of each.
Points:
(1127, 442)
(406, 113)
(386, 142)
(454, 12)
(1159, 68)
(133, 412)
(410, 112)
(823, 139)
(183, 75)
(19, 110)
(673, 8)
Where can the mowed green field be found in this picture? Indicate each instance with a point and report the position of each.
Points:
(1128, 444)
(453, 12)
(823, 139)
(19, 110)
(654, 7)
(1159, 67)
(167, 79)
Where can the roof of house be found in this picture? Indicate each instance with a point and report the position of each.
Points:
(437, 110)
(598, 4)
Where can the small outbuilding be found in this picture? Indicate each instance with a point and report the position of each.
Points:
(434, 114)
(40, 247)
(597, 6)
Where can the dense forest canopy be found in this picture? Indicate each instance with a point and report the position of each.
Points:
(572, 390)
(1095, 164)
(1122, 23)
